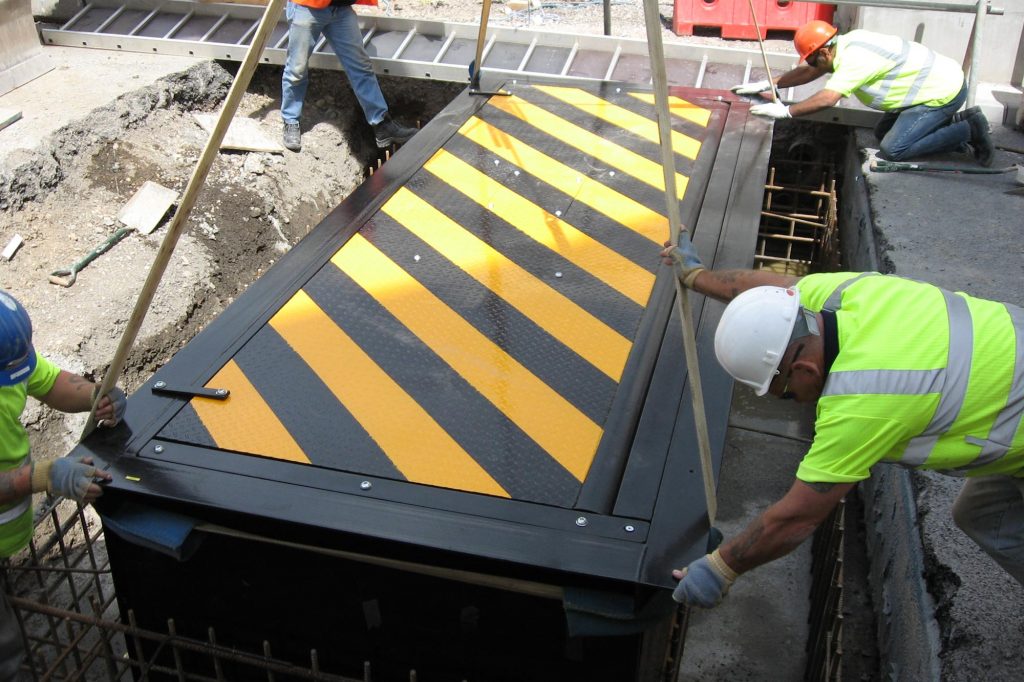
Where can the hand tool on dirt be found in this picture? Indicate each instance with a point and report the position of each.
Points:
(660, 83)
(180, 219)
(883, 166)
(475, 66)
(764, 55)
(65, 277)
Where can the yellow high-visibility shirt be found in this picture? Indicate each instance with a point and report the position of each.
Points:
(889, 73)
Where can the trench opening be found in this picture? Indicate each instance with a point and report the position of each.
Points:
(244, 223)
(812, 220)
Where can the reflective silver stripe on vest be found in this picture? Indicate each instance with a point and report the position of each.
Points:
(954, 384)
(879, 90)
(951, 382)
(1004, 428)
(17, 510)
(835, 299)
(922, 76)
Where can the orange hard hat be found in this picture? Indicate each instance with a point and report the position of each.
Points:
(813, 35)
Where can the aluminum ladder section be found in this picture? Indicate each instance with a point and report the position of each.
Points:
(414, 48)
(403, 47)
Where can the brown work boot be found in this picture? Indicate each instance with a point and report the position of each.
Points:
(981, 143)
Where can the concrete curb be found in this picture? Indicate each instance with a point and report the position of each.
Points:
(908, 633)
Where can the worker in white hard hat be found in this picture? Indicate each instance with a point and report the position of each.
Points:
(902, 372)
(919, 91)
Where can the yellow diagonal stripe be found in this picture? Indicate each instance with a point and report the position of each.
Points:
(556, 425)
(679, 107)
(596, 195)
(624, 118)
(418, 446)
(610, 267)
(596, 342)
(244, 422)
(616, 156)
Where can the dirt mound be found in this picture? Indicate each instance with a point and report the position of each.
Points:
(63, 198)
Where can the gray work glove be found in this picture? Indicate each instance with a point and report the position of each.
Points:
(705, 582)
(684, 259)
(755, 88)
(771, 110)
(67, 477)
(118, 403)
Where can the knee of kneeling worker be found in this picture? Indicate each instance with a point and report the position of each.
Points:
(964, 516)
(892, 152)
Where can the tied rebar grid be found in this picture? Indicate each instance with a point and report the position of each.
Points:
(825, 643)
(62, 594)
(799, 221)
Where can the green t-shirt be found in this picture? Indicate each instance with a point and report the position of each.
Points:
(14, 446)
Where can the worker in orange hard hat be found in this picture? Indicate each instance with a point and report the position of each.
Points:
(919, 90)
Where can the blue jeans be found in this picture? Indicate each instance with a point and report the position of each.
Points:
(341, 26)
(990, 509)
(917, 131)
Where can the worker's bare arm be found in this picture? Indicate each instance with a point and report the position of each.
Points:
(784, 525)
(816, 102)
(70, 393)
(805, 73)
(725, 285)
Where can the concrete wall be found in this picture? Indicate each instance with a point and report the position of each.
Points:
(1002, 59)
(56, 11)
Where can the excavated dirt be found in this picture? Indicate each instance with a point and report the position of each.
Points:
(63, 198)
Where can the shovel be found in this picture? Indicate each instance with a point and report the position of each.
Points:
(65, 277)
(143, 212)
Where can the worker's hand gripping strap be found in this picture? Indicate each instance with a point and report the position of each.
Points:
(705, 582)
(684, 259)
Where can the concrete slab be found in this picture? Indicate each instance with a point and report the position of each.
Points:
(243, 134)
(762, 624)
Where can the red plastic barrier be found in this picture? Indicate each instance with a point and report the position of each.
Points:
(734, 20)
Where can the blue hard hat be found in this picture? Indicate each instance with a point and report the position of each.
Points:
(17, 356)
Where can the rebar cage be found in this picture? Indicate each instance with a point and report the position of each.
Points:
(62, 594)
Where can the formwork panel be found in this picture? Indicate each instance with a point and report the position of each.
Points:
(473, 354)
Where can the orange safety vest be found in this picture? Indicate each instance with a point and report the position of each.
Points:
(320, 4)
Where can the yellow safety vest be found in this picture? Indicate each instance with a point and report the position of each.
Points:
(889, 73)
(924, 378)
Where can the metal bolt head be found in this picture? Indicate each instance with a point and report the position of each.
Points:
(158, 448)
(581, 521)
(222, 391)
(365, 485)
(160, 384)
(630, 529)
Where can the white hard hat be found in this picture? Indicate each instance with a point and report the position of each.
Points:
(754, 333)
